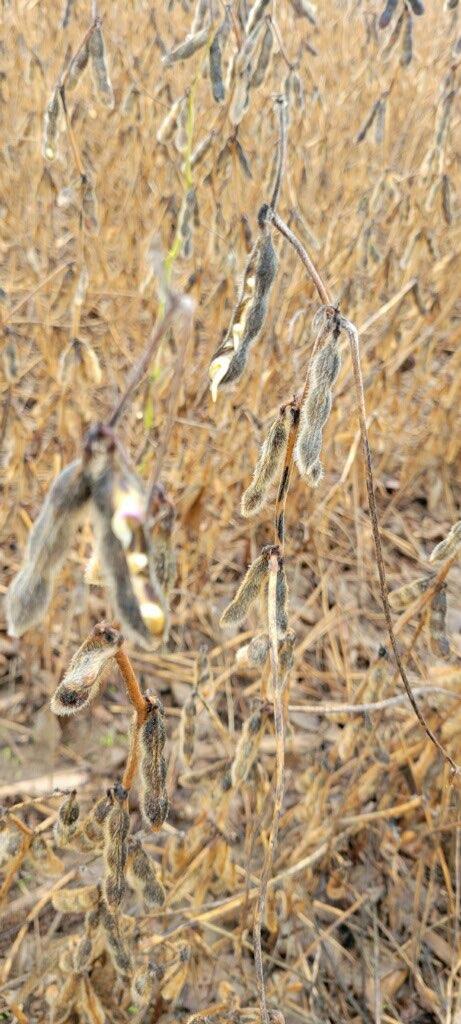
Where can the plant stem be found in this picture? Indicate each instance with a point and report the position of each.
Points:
(353, 336)
(279, 781)
(133, 689)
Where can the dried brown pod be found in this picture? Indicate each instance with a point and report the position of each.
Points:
(256, 652)
(154, 798)
(116, 828)
(115, 942)
(242, 158)
(67, 12)
(448, 545)
(201, 15)
(84, 954)
(77, 67)
(90, 216)
(247, 592)
(395, 35)
(79, 360)
(187, 726)
(70, 901)
(142, 876)
(248, 744)
(241, 70)
(286, 654)
(201, 150)
(269, 461)
(402, 597)
(264, 57)
(437, 624)
(88, 1003)
(305, 9)
(43, 858)
(317, 406)
(362, 134)
(186, 220)
(170, 121)
(281, 600)
(92, 827)
(66, 824)
(388, 13)
(10, 843)
(247, 321)
(51, 536)
(187, 48)
(446, 195)
(417, 6)
(50, 126)
(215, 57)
(97, 51)
(407, 42)
(255, 16)
(83, 678)
(159, 528)
(65, 999)
(111, 552)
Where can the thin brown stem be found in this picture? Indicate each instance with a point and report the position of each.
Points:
(303, 255)
(279, 727)
(357, 370)
(178, 377)
(140, 368)
(132, 762)
(73, 144)
(281, 152)
(133, 689)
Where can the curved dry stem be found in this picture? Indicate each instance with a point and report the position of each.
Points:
(353, 336)
(133, 689)
(279, 782)
(303, 255)
(282, 149)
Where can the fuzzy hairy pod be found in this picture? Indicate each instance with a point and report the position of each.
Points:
(448, 546)
(403, 597)
(154, 798)
(103, 85)
(230, 359)
(52, 534)
(142, 877)
(115, 942)
(70, 901)
(50, 126)
(388, 13)
(84, 954)
(281, 600)
(242, 70)
(66, 824)
(437, 624)
(116, 828)
(92, 827)
(286, 654)
(83, 678)
(215, 57)
(247, 592)
(187, 48)
(247, 747)
(88, 1004)
(187, 727)
(266, 467)
(317, 407)
(77, 67)
(255, 653)
(65, 999)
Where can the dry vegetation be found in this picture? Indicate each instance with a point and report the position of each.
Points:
(313, 826)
